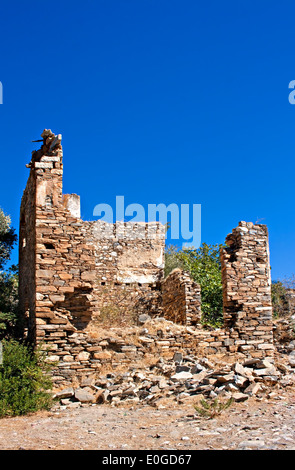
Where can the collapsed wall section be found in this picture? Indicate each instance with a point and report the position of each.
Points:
(129, 260)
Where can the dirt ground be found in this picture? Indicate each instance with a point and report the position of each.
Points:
(267, 424)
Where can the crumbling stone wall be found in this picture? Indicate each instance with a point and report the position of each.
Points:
(247, 288)
(71, 269)
(181, 298)
(27, 256)
(73, 272)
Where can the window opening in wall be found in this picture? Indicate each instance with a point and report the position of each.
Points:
(49, 246)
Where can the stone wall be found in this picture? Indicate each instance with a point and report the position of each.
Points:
(247, 288)
(181, 298)
(71, 271)
(27, 256)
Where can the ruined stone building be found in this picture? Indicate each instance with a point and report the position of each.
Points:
(74, 272)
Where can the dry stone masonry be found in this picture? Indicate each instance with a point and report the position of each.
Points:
(181, 298)
(247, 288)
(94, 293)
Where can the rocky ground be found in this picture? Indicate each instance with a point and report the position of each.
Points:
(154, 410)
(250, 425)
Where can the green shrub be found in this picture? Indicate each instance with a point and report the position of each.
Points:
(172, 259)
(24, 380)
(279, 299)
(10, 325)
(8, 238)
(210, 409)
(10, 320)
(204, 266)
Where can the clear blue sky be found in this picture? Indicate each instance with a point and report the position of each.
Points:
(161, 101)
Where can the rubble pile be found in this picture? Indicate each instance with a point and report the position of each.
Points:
(183, 378)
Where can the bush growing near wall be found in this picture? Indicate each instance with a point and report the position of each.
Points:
(280, 296)
(279, 299)
(10, 322)
(204, 266)
(172, 259)
(24, 380)
(9, 318)
(7, 238)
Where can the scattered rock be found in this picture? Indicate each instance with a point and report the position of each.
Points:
(252, 389)
(177, 357)
(143, 318)
(251, 444)
(291, 359)
(237, 396)
(65, 393)
(84, 396)
(181, 378)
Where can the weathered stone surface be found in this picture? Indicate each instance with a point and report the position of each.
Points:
(84, 396)
(238, 396)
(181, 298)
(143, 318)
(252, 389)
(65, 393)
(182, 376)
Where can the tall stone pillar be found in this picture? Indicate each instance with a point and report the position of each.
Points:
(42, 194)
(56, 263)
(247, 289)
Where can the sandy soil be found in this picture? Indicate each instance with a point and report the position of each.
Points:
(267, 424)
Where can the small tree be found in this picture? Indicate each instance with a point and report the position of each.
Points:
(8, 280)
(280, 295)
(7, 238)
(204, 266)
(289, 282)
(25, 381)
(279, 299)
(172, 259)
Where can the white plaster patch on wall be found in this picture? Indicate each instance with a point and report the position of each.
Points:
(160, 262)
(130, 277)
(72, 203)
